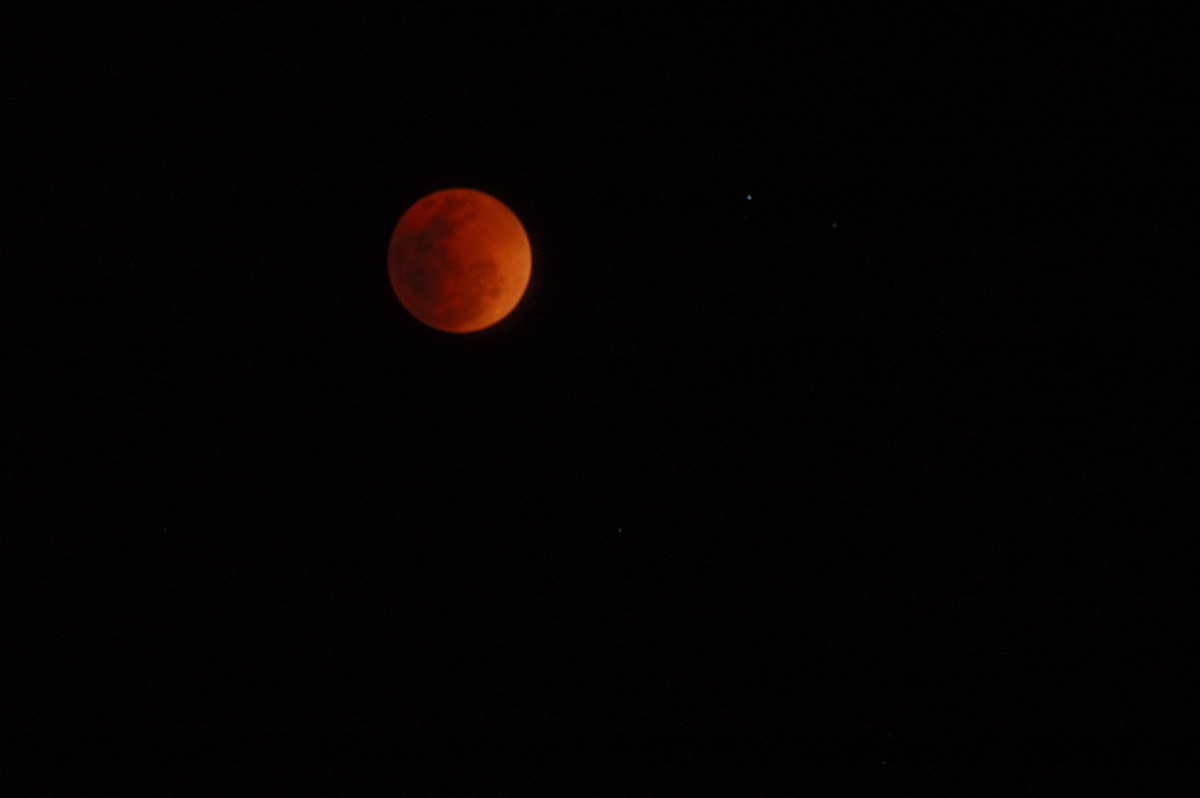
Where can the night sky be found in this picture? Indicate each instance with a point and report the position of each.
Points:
(838, 440)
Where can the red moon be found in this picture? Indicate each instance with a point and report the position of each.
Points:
(459, 260)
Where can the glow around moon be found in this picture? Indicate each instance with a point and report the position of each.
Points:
(459, 260)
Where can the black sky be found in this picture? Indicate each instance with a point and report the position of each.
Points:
(832, 432)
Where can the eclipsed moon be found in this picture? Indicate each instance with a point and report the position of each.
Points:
(459, 260)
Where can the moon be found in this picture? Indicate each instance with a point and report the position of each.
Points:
(459, 260)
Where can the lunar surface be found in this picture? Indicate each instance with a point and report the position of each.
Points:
(459, 260)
